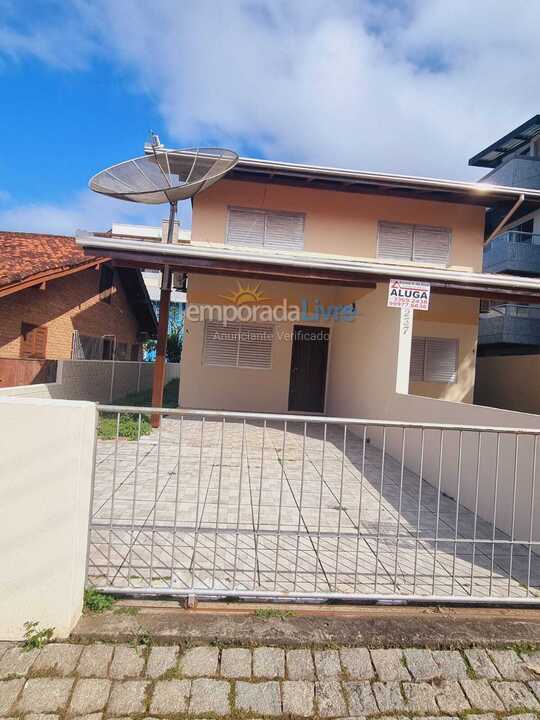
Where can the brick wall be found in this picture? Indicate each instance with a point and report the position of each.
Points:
(67, 304)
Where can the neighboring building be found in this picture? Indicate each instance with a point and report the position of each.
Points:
(152, 280)
(319, 239)
(510, 331)
(514, 160)
(57, 303)
(152, 277)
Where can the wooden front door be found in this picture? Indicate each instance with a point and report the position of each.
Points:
(308, 369)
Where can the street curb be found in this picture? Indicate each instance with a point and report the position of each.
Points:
(435, 628)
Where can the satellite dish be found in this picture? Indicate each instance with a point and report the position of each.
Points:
(165, 175)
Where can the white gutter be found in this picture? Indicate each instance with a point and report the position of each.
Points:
(392, 178)
(306, 260)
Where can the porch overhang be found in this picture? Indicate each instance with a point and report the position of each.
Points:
(306, 267)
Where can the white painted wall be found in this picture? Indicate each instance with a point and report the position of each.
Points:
(46, 464)
(515, 477)
(101, 381)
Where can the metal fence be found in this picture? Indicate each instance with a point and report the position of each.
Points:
(253, 505)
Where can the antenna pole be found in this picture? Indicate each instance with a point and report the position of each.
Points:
(158, 383)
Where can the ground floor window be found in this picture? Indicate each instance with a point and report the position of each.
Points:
(240, 345)
(90, 347)
(33, 341)
(434, 359)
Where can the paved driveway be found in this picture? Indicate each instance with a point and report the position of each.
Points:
(203, 504)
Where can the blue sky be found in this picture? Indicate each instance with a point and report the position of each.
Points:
(412, 86)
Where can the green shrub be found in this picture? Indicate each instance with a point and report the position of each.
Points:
(34, 637)
(96, 601)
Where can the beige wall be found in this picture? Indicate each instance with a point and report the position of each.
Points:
(450, 317)
(340, 223)
(362, 354)
(511, 382)
(239, 388)
(47, 461)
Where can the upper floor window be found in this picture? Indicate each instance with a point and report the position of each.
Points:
(419, 243)
(264, 228)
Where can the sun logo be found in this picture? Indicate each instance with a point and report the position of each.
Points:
(245, 295)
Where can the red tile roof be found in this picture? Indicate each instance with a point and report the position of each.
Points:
(23, 255)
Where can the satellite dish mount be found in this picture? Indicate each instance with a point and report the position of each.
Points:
(164, 176)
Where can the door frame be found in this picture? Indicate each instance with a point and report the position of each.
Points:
(327, 374)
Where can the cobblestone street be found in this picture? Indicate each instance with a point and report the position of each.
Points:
(105, 680)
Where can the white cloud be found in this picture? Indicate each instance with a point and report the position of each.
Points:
(408, 86)
(83, 211)
(416, 86)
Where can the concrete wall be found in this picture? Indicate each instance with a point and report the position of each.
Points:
(101, 381)
(338, 222)
(515, 461)
(45, 503)
(511, 382)
(67, 304)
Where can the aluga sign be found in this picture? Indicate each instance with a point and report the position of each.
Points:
(409, 294)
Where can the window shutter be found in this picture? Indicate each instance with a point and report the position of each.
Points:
(240, 345)
(441, 360)
(33, 341)
(418, 352)
(220, 344)
(255, 347)
(431, 245)
(395, 241)
(27, 340)
(246, 227)
(284, 232)
(40, 342)
(260, 228)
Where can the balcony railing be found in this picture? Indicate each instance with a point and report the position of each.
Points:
(513, 251)
(510, 324)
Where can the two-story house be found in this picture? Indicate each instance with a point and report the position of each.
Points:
(316, 247)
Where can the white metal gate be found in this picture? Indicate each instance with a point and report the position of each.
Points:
(253, 505)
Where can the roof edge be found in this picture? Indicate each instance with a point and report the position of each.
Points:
(164, 252)
(49, 275)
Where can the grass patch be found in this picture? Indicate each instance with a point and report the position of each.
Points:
(128, 427)
(126, 610)
(267, 613)
(96, 601)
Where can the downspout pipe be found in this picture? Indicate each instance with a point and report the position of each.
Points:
(519, 202)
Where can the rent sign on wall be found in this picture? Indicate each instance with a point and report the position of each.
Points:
(408, 294)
